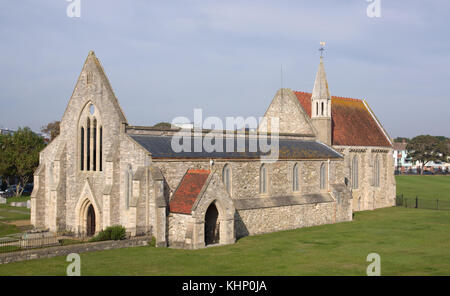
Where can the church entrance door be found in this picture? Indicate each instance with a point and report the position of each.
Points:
(90, 227)
(212, 225)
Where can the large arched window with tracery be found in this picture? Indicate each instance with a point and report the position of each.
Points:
(90, 139)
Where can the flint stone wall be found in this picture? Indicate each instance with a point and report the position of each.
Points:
(367, 196)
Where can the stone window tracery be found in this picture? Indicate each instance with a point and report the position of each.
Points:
(90, 139)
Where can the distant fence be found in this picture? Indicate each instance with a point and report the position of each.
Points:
(422, 203)
(8, 257)
(22, 242)
(18, 244)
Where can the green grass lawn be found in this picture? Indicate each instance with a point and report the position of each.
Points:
(409, 241)
(18, 198)
(425, 187)
(9, 213)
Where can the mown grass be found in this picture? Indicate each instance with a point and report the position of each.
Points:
(18, 199)
(409, 241)
(9, 213)
(424, 187)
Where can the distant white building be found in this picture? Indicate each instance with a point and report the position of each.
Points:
(404, 164)
(401, 161)
(5, 131)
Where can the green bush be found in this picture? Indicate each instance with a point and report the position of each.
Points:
(152, 243)
(118, 232)
(115, 232)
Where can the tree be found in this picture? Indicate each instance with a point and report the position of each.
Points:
(427, 148)
(51, 129)
(19, 156)
(7, 169)
(163, 125)
(401, 140)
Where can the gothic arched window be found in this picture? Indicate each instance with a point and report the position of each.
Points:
(295, 179)
(263, 179)
(226, 178)
(355, 170)
(376, 172)
(88, 150)
(82, 148)
(323, 177)
(128, 186)
(91, 139)
(100, 153)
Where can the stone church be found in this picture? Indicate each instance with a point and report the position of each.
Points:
(334, 158)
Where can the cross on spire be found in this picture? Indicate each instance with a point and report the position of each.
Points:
(322, 48)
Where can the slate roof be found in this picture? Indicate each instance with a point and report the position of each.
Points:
(160, 147)
(281, 201)
(187, 192)
(352, 122)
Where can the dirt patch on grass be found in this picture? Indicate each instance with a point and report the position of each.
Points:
(19, 223)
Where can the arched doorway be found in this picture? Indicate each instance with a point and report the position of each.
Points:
(212, 225)
(90, 221)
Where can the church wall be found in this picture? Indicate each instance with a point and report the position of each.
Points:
(294, 120)
(245, 175)
(178, 230)
(110, 121)
(99, 93)
(264, 220)
(134, 156)
(367, 196)
(323, 127)
(258, 221)
(41, 206)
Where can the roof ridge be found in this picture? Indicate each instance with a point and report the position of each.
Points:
(333, 97)
(346, 98)
(198, 171)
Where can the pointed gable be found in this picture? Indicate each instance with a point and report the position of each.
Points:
(292, 118)
(187, 192)
(93, 83)
(353, 123)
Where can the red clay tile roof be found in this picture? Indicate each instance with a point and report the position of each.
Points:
(352, 123)
(188, 191)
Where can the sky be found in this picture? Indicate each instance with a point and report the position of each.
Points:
(165, 58)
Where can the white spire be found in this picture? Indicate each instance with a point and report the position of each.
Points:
(320, 90)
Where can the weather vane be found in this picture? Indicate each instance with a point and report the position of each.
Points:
(322, 48)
